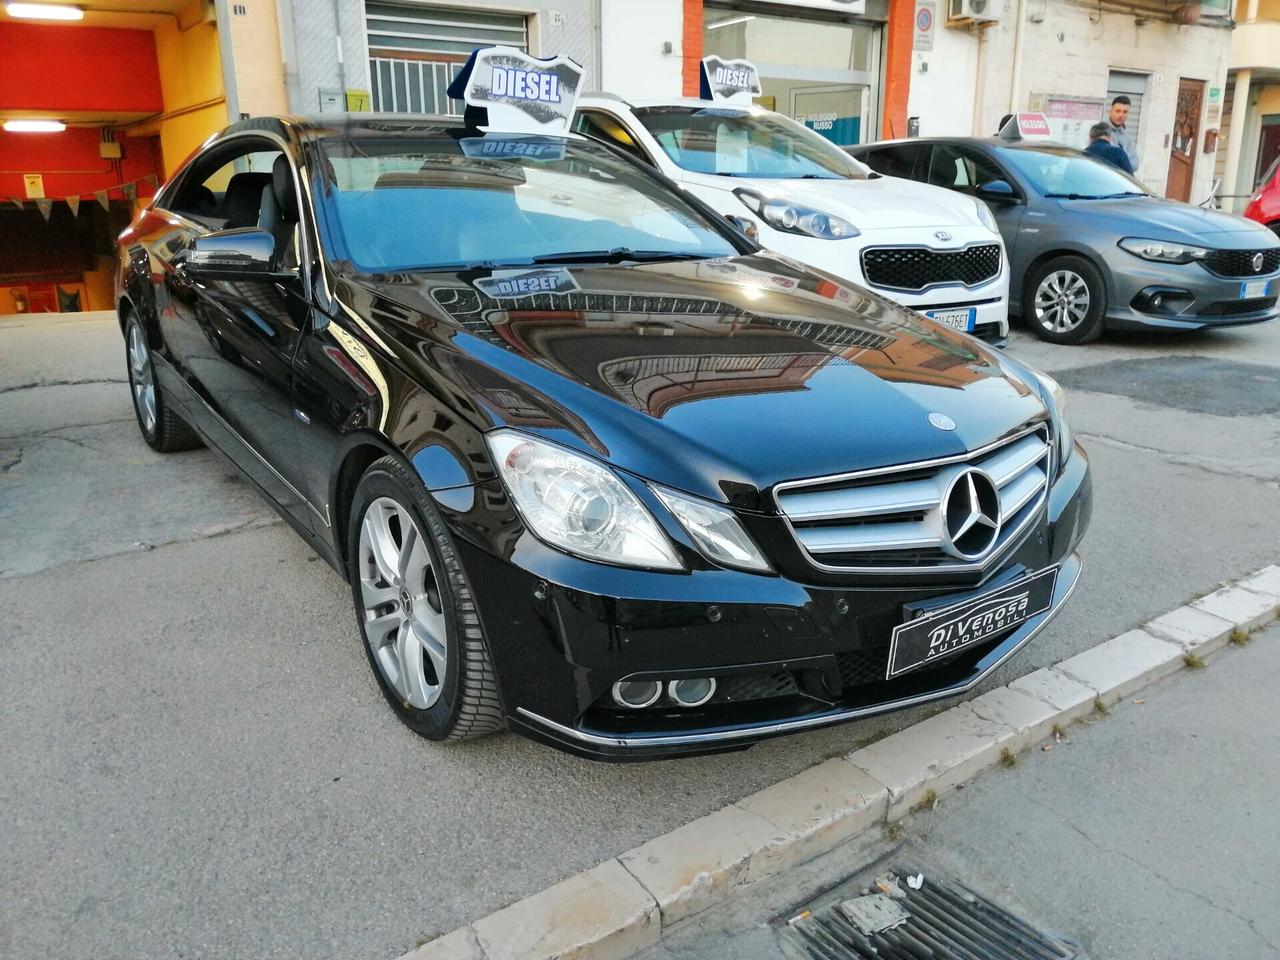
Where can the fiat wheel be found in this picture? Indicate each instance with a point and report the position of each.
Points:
(417, 616)
(1066, 301)
(163, 429)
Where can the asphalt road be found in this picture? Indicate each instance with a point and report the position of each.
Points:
(197, 762)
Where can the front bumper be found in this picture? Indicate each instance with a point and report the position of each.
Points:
(1194, 298)
(843, 258)
(562, 631)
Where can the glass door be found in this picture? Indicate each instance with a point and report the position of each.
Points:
(834, 111)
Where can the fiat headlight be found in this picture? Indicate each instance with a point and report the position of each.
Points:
(796, 218)
(1056, 400)
(1162, 251)
(986, 216)
(715, 530)
(578, 505)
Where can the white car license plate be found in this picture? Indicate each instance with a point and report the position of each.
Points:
(958, 319)
(1251, 289)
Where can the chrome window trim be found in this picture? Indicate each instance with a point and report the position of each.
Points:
(862, 264)
(1014, 538)
(805, 723)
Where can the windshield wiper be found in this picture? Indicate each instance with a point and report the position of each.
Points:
(1125, 193)
(1074, 196)
(616, 255)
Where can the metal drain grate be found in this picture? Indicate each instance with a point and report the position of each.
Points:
(944, 921)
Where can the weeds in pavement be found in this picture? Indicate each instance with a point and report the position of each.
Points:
(893, 831)
(1100, 708)
(1239, 637)
(929, 801)
(1008, 757)
(1193, 662)
(1058, 732)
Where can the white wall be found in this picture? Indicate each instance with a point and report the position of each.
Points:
(1070, 51)
(631, 39)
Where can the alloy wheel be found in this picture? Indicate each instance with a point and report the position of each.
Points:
(1062, 301)
(404, 617)
(142, 378)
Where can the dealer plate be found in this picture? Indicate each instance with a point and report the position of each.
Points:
(957, 319)
(1252, 289)
(937, 634)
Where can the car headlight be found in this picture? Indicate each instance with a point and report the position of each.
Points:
(1162, 251)
(796, 218)
(715, 530)
(986, 216)
(578, 505)
(1056, 400)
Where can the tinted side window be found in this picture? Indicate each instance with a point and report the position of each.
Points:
(961, 168)
(898, 160)
(224, 189)
(601, 126)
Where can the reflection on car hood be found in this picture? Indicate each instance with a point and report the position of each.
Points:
(721, 377)
(884, 202)
(1158, 219)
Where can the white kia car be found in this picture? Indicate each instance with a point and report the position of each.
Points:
(800, 195)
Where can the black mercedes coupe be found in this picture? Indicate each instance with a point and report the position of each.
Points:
(595, 466)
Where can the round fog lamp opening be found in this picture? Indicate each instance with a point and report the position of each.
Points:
(692, 692)
(636, 694)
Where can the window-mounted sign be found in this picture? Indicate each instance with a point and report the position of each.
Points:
(516, 92)
(729, 81)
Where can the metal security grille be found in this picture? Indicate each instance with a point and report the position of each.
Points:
(1239, 263)
(918, 268)
(415, 52)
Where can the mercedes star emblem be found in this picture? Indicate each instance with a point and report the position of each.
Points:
(1257, 263)
(970, 515)
(942, 421)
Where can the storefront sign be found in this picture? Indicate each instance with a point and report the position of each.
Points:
(519, 93)
(926, 16)
(735, 81)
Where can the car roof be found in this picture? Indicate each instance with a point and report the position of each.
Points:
(970, 141)
(598, 99)
(350, 125)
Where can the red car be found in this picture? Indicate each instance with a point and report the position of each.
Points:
(1264, 205)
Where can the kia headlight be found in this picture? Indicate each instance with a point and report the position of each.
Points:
(579, 505)
(796, 218)
(1055, 399)
(1162, 251)
(714, 530)
(986, 216)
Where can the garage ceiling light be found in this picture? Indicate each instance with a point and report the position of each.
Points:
(34, 126)
(44, 11)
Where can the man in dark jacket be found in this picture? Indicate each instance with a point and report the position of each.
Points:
(1101, 147)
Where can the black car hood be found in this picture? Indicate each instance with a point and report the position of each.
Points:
(721, 377)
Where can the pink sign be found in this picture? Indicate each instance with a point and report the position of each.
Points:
(1033, 125)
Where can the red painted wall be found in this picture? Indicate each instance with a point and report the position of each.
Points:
(61, 68)
(70, 163)
(691, 44)
(900, 35)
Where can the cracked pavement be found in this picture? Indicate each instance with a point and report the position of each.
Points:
(198, 762)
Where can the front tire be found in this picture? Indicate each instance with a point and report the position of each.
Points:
(1066, 301)
(417, 616)
(162, 429)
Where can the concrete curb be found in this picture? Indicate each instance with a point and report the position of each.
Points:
(624, 905)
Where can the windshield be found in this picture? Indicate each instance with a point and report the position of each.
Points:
(741, 142)
(1070, 174)
(414, 203)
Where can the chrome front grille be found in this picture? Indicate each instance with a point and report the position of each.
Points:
(905, 518)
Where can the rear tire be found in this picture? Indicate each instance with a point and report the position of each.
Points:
(1066, 301)
(417, 617)
(162, 429)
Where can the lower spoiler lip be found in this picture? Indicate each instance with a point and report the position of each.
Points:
(1068, 578)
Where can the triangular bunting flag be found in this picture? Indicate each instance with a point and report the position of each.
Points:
(18, 203)
(74, 204)
(101, 197)
(45, 206)
(130, 191)
(152, 179)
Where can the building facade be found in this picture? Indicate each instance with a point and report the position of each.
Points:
(1251, 120)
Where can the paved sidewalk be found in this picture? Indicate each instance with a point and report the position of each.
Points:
(1153, 834)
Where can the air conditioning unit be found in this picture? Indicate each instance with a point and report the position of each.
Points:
(971, 11)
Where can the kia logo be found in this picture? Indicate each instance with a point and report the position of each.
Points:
(944, 237)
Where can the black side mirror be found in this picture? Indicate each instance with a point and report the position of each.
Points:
(997, 191)
(246, 253)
